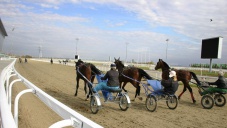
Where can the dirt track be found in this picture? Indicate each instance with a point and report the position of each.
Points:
(59, 81)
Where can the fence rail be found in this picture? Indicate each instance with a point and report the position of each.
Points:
(70, 117)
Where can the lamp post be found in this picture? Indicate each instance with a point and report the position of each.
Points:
(166, 47)
(11, 47)
(77, 40)
(126, 51)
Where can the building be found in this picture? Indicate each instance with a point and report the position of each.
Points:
(3, 34)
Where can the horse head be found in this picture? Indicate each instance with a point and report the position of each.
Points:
(119, 64)
(78, 63)
(162, 65)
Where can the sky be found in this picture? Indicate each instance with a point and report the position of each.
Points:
(139, 30)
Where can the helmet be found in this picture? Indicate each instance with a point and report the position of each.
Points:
(113, 65)
(172, 73)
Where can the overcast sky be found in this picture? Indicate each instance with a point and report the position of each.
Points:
(106, 28)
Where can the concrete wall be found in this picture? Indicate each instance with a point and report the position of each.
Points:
(2, 37)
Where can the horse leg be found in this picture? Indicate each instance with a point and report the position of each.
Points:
(138, 92)
(85, 87)
(184, 89)
(77, 85)
(90, 87)
(123, 87)
(190, 90)
(89, 91)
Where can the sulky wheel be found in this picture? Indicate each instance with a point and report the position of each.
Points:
(219, 100)
(151, 103)
(123, 103)
(172, 102)
(207, 101)
(93, 105)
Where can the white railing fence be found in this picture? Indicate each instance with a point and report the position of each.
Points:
(70, 117)
(7, 120)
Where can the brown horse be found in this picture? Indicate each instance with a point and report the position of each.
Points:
(86, 72)
(182, 75)
(20, 60)
(130, 74)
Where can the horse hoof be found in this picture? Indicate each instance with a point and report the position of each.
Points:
(86, 99)
(178, 98)
(194, 101)
(140, 98)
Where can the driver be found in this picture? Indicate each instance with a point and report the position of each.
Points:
(221, 84)
(170, 85)
(113, 80)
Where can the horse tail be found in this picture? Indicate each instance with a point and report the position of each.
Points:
(95, 70)
(144, 74)
(195, 78)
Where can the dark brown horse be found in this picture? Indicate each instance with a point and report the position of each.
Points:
(86, 72)
(130, 74)
(182, 75)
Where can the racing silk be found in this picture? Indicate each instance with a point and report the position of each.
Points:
(112, 76)
(221, 82)
(170, 86)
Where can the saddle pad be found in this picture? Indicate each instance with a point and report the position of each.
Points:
(155, 84)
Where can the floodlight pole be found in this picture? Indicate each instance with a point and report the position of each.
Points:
(77, 39)
(166, 47)
(11, 47)
(126, 51)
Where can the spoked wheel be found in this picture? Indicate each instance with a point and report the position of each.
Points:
(172, 102)
(93, 105)
(207, 102)
(219, 100)
(151, 103)
(123, 103)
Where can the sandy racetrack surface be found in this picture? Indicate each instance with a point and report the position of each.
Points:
(59, 81)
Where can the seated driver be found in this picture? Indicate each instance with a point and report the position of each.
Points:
(113, 80)
(221, 84)
(170, 85)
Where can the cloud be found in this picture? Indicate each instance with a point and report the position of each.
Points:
(188, 22)
(49, 6)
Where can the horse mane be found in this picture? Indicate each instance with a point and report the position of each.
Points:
(94, 69)
(165, 64)
(143, 73)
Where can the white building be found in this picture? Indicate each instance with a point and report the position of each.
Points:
(3, 34)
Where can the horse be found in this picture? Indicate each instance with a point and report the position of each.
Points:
(51, 61)
(87, 71)
(182, 75)
(65, 61)
(20, 60)
(132, 75)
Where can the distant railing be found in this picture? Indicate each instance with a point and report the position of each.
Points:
(70, 117)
